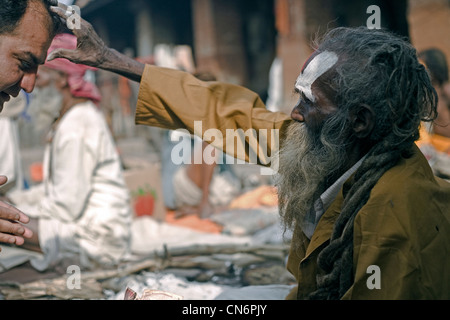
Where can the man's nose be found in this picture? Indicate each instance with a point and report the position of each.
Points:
(296, 115)
(28, 82)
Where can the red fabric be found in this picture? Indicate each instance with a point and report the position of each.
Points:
(79, 87)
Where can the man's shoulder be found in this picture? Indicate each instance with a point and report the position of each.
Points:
(85, 114)
(410, 181)
(408, 204)
(409, 192)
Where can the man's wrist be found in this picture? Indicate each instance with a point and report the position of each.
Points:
(109, 60)
(116, 62)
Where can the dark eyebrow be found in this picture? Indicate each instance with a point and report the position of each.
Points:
(297, 91)
(35, 60)
(301, 93)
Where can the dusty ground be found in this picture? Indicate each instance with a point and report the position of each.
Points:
(195, 274)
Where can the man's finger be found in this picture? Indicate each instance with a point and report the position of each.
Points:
(60, 10)
(8, 211)
(8, 238)
(63, 12)
(27, 233)
(10, 230)
(3, 180)
(11, 227)
(11, 239)
(60, 53)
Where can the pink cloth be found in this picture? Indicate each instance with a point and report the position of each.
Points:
(79, 87)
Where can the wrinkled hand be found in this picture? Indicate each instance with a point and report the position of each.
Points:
(11, 229)
(90, 49)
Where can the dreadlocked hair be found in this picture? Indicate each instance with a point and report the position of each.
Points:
(379, 69)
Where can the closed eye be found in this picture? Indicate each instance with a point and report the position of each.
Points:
(28, 62)
(302, 95)
(25, 65)
(305, 99)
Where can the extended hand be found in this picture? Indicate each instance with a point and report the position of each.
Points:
(11, 229)
(91, 49)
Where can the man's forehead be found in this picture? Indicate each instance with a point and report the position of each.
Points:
(33, 35)
(316, 65)
(33, 52)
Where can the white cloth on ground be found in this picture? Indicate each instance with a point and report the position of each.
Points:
(223, 189)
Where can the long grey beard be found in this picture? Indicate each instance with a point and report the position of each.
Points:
(306, 161)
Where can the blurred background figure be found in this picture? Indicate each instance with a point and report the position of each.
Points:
(435, 136)
(196, 187)
(11, 161)
(81, 212)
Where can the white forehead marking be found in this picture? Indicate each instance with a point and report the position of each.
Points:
(321, 63)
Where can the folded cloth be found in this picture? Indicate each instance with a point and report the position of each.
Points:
(11, 257)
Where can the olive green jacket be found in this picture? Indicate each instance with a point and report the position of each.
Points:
(401, 238)
(401, 235)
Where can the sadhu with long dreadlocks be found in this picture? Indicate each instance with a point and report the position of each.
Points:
(387, 210)
(351, 182)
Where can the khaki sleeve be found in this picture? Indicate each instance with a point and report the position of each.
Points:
(230, 117)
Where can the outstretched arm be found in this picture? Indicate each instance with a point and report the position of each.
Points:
(92, 51)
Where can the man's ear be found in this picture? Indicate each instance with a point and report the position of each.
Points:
(362, 120)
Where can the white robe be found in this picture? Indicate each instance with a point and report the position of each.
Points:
(83, 203)
(10, 162)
